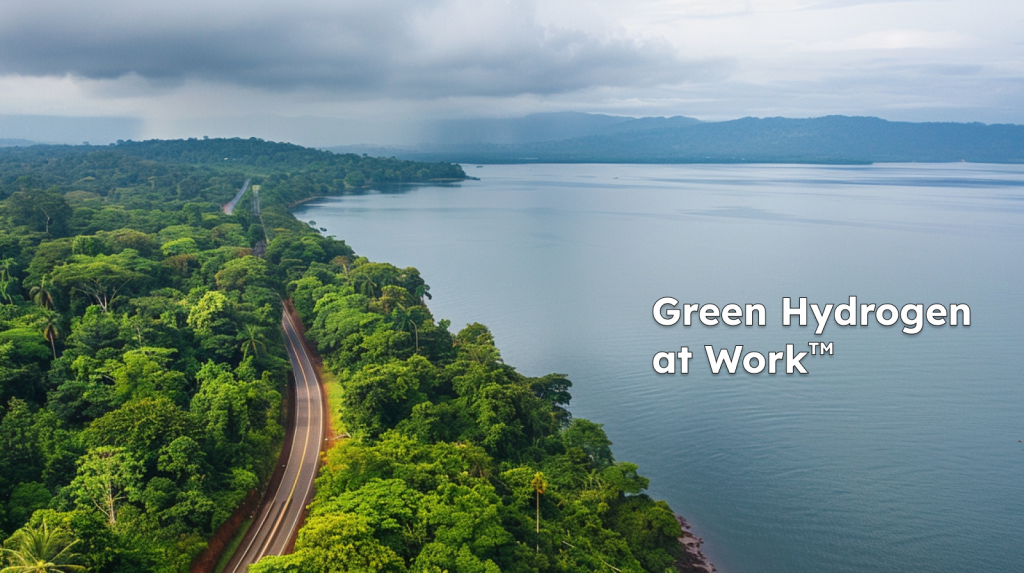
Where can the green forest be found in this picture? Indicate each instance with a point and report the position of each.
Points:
(142, 376)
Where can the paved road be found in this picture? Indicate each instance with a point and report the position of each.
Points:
(229, 207)
(279, 513)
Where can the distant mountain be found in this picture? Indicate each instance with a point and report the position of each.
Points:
(530, 129)
(13, 142)
(469, 134)
(831, 139)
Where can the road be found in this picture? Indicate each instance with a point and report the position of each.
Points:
(280, 511)
(229, 207)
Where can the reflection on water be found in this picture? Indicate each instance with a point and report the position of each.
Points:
(898, 453)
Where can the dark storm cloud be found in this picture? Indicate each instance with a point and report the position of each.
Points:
(406, 49)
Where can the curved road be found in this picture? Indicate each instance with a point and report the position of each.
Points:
(280, 511)
(229, 207)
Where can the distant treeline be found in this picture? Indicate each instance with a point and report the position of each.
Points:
(155, 172)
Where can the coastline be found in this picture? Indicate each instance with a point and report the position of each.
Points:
(690, 558)
(693, 559)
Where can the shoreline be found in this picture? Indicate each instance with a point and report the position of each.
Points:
(364, 188)
(689, 560)
(693, 559)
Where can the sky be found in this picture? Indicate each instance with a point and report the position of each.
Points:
(335, 72)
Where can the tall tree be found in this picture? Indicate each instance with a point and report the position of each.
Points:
(102, 277)
(41, 294)
(50, 324)
(539, 485)
(252, 340)
(6, 280)
(406, 318)
(107, 477)
(45, 211)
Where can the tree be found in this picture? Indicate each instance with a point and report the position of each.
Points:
(336, 543)
(539, 485)
(93, 331)
(591, 439)
(355, 179)
(422, 291)
(182, 457)
(20, 454)
(144, 373)
(182, 246)
(214, 319)
(241, 273)
(107, 476)
(391, 296)
(208, 312)
(51, 329)
(252, 340)
(378, 396)
(141, 427)
(42, 550)
(45, 211)
(364, 284)
(41, 294)
(6, 280)
(26, 498)
(102, 277)
(407, 317)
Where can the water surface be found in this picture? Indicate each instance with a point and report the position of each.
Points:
(898, 453)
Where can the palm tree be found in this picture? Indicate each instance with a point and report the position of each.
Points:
(539, 485)
(364, 285)
(42, 550)
(392, 295)
(423, 291)
(404, 318)
(51, 330)
(41, 294)
(252, 341)
(6, 280)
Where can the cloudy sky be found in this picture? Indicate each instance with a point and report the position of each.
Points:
(324, 72)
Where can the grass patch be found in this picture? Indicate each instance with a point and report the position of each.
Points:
(334, 393)
(229, 551)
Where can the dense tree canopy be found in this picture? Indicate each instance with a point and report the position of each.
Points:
(457, 461)
(141, 360)
(142, 370)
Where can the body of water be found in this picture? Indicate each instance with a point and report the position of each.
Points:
(897, 453)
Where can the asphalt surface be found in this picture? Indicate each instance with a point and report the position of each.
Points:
(280, 512)
(229, 207)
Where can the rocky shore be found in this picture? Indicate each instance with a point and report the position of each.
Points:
(692, 560)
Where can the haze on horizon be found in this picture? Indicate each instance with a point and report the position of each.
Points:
(322, 73)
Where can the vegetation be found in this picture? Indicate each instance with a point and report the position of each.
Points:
(42, 550)
(457, 462)
(142, 368)
(141, 358)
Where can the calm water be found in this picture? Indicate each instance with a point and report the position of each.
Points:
(897, 453)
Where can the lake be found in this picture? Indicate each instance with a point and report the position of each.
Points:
(897, 453)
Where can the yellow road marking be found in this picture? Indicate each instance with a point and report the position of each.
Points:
(268, 540)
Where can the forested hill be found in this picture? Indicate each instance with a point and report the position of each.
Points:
(190, 170)
(832, 139)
